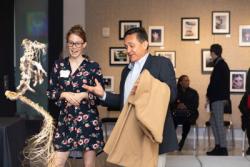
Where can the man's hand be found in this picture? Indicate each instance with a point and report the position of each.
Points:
(134, 87)
(97, 90)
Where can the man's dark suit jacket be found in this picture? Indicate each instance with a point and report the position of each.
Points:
(162, 69)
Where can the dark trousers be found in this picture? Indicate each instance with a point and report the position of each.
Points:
(245, 120)
(248, 135)
(186, 125)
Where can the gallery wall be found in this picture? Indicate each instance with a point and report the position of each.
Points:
(168, 13)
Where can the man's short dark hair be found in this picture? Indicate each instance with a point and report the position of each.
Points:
(140, 33)
(217, 49)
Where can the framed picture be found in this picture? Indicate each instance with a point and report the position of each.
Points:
(168, 54)
(118, 56)
(156, 35)
(220, 22)
(190, 28)
(125, 25)
(206, 61)
(238, 81)
(108, 83)
(244, 35)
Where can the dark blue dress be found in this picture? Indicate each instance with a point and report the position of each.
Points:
(78, 128)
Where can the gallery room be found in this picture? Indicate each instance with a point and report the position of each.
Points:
(65, 79)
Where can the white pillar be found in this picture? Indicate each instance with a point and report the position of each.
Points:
(73, 13)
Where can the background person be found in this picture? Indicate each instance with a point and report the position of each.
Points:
(78, 126)
(245, 110)
(218, 96)
(185, 109)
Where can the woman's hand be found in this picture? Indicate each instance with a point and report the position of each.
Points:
(81, 96)
(74, 98)
(181, 106)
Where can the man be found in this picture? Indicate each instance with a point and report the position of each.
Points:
(136, 43)
(185, 109)
(218, 96)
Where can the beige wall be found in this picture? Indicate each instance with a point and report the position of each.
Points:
(168, 13)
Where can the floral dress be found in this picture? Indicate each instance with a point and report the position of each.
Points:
(78, 128)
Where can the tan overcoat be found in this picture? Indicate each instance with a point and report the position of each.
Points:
(134, 141)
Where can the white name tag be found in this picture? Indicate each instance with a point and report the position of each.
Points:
(64, 73)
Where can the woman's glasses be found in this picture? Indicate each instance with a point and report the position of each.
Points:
(77, 44)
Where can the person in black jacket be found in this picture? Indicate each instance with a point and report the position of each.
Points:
(185, 109)
(218, 96)
(245, 110)
(136, 44)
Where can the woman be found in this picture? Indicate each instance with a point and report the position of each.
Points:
(78, 124)
(185, 109)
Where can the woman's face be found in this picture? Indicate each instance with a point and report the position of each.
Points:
(185, 82)
(75, 45)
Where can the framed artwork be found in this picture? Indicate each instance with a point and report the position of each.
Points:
(156, 35)
(125, 25)
(168, 54)
(220, 22)
(108, 83)
(118, 56)
(206, 61)
(190, 28)
(244, 35)
(238, 81)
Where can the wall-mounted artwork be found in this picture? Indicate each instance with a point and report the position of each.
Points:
(220, 22)
(238, 81)
(125, 25)
(156, 35)
(109, 83)
(171, 55)
(244, 35)
(190, 28)
(206, 61)
(118, 56)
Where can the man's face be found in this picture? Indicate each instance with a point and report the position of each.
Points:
(135, 49)
(213, 55)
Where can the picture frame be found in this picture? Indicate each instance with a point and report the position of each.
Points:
(171, 55)
(108, 83)
(156, 35)
(220, 22)
(118, 56)
(238, 81)
(125, 25)
(190, 28)
(206, 61)
(244, 35)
